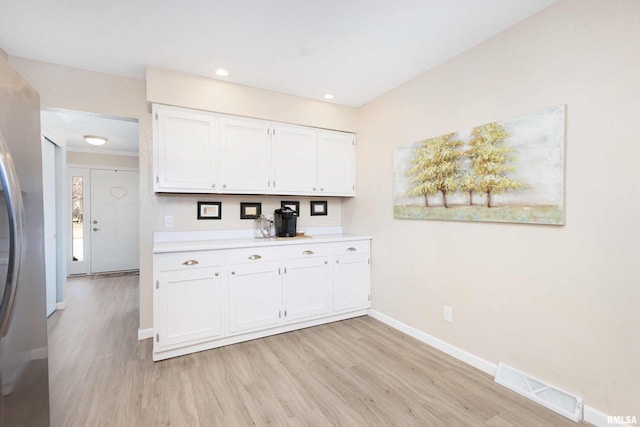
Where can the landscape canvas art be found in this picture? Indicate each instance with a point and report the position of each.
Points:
(506, 171)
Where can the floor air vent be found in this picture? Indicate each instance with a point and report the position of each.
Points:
(564, 403)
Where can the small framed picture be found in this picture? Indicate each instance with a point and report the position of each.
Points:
(293, 205)
(209, 210)
(250, 210)
(318, 208)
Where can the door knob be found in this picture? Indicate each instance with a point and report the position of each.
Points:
(95, 222)
(96, 229)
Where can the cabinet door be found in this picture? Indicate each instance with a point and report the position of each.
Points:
(186, 151)
(306, 288)
(295, 159)
(336, 163)
(255, 296)
(351, 282)
(245, 158)
(190, 306)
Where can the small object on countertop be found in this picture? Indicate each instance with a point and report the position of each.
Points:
(299, 233)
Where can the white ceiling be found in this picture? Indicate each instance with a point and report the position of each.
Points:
(356, 49)
(121, 132)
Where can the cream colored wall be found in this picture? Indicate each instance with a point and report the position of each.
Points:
(183, 90)
(111, 160)
(73, 89)
(561, 303)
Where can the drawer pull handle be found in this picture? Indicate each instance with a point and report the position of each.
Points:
(307, 252)
(254, 257)
(351, 249)
(190, 262)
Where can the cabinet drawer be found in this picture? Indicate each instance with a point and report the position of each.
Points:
(252, 255)
(187, 260)
(306, 251)
(351, 248)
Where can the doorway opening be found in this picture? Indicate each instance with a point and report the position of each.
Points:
(101, 193)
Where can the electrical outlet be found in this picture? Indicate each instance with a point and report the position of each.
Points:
(448, 313)
(168, 221)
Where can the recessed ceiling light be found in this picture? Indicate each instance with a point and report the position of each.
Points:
(329, 96)
(222, 72)
(95, 140)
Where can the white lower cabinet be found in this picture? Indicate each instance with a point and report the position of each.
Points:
(351, 275)
(190, 306)
(351, 282)
(255, 296)
(218, 297)
(307, 284)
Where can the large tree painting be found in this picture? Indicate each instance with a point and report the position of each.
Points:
(502, 171)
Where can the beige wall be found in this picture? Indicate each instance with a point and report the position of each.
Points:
(72, 89)
(183, 90)
(93, 159)
(561, 303)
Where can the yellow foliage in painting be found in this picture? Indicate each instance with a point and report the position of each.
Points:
(435, 167)
(490, 160)
(440, 165)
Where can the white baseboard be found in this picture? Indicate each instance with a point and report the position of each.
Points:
(590, 414)
(61, 305)
(600, 419)
(145, 334)
(466, 357)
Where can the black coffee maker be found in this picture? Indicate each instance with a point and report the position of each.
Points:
(285, 221)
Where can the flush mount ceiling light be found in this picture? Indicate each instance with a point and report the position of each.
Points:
(222, 72)
(95, 140)
(329, 96)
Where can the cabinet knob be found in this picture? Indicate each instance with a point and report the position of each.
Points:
(190, 262)
(322, 189)
(314, 188)
(217, 274)
(307, 252)
(233, 272)
(224, 185)
(254, 257)
(337, 261)
(326, 262)
(351, 249)
(213, 186)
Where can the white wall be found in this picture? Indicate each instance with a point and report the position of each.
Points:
(93, 159)
(561, 303)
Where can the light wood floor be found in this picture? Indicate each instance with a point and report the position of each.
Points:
(357, 372)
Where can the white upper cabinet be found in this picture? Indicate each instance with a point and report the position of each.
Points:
(336, 163)
(185, 150)
(201, 152)
(245, 147)
(295, 159)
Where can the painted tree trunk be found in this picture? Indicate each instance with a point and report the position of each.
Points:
(444, 199)
(471, 198)
(489, 198)
(426, 200)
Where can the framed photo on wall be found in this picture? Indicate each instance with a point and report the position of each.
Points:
(250, 210)
(319, 208)
(209, 210)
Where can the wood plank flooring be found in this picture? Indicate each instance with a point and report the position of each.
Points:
(357, 372)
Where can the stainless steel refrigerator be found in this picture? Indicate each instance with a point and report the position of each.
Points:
(23, 321)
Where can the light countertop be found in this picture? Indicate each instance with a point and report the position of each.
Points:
(185, 242)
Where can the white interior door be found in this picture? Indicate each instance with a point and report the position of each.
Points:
(114, 220)
(49, 201)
